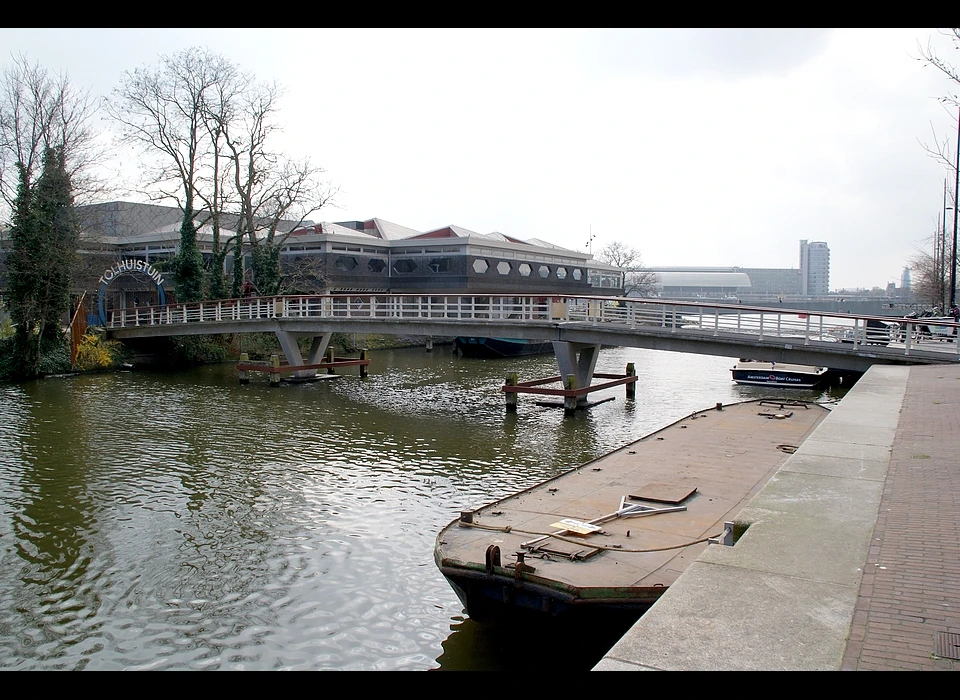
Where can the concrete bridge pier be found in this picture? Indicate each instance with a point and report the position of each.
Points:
(578, 360)
(288, 341)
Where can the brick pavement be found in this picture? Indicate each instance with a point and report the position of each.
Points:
(910, 590)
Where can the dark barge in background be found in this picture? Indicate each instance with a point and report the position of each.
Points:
(492, 348)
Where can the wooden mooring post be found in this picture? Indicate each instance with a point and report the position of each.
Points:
(365, 361)
(631, 386)
(274, 370)
(244, 359)
(570, 401)
(511, 380)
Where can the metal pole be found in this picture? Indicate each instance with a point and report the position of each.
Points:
(943, 246)
(938, 260)
(956, 201)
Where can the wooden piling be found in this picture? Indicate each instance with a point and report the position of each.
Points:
(631, 386)
(511, 380)
(363, 368)
(330, 358)
(274, 370)
(570, 402)
(429, 343)
(244, 359)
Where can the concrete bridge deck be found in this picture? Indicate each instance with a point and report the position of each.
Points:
(840, 341)
(852, 558)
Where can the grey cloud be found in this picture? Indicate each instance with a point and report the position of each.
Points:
(717, 53)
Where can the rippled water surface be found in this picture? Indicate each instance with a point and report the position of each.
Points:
(182, 521)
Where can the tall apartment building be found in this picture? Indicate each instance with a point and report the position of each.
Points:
(814, 268)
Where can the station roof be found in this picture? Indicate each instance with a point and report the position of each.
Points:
(703, 279)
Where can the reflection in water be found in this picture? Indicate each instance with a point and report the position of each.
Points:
(529, 643)
(185, 521)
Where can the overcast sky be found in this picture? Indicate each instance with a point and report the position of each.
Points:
(698, 147)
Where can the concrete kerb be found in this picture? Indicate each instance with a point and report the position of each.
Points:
(784, 596)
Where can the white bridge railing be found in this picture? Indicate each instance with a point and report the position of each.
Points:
(700, 318)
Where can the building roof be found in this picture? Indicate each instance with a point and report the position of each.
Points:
(388, 230)
(703, 279)
(126, 223)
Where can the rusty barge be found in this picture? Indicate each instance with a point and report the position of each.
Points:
(613, 534)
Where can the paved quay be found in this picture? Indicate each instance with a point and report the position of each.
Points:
(852, 556)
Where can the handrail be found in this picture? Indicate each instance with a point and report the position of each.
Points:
(708, 319)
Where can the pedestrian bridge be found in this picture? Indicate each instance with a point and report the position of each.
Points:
(840, 341)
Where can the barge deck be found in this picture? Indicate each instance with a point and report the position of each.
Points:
(613, 534)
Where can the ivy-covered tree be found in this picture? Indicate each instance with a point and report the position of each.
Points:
(44, 234)
(23, 285)
(189, 261)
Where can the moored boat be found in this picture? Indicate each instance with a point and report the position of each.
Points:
(501, 347)
(615, 533)
(778, 374)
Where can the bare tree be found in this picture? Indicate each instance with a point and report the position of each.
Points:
(209, 124)
(40, 111)
(930, 56)
(941, 150)
(165, 110)
(270, 187)
(637, 281)
(930, 276)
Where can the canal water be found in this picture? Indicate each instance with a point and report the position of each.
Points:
(182, 521)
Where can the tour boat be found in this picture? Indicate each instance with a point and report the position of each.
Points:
(778, 374)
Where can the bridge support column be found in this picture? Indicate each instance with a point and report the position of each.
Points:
(288, 341)
(579, 360)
